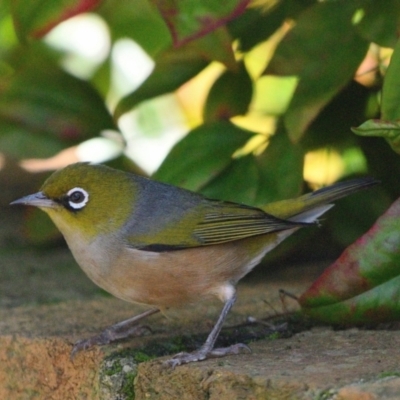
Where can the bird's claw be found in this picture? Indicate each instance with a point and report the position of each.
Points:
(231, 350)
(184, 358)
(108, 336)
(86, 344)
(202, 354)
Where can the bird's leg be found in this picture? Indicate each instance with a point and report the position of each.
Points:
(207, 350)
(120, 330)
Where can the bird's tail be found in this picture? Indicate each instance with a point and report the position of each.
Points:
(309, 207)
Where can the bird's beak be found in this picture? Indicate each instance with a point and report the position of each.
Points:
(38, 199)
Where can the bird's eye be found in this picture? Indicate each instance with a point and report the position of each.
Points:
(77, 198)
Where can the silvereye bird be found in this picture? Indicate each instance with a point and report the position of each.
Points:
(156, 244)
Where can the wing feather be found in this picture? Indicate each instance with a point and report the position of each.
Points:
(241, 222)
(201, 222)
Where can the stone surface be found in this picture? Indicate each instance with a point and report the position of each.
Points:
(321, 363)
(318, 364)
(36, 340)
(32, 368)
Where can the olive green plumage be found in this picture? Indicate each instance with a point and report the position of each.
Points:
(154, 215)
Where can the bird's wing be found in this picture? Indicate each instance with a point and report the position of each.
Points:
(233, 222)
(217, 222)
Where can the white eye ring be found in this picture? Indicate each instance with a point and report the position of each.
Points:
(77, 198)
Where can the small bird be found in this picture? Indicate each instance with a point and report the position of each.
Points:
(156, 244)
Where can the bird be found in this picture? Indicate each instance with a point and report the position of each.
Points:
(162, 246)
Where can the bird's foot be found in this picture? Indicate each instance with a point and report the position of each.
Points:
(204, 354)
(109, 335)
(121, 330)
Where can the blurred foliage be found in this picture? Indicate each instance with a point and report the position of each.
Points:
(296, 76)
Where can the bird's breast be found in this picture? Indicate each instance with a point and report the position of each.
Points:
(170, 278)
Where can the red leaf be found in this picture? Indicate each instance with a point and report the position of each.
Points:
(371, 261)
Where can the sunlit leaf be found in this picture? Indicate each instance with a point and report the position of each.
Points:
(324, 56)
(229, 96)
(191, 19)
(33, 19)
(273, 94)
(202, 155)
(8, 36)
(173, 68)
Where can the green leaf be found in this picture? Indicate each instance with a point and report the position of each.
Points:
(274, 175)
(137, 20)
(272, 94)
(364, 280)
(230, 95)
(33, 19)
(380, 24)
(324, 50)
(256, 25)
(388, 126)
(380, 304)
(391, 88)
(40, 99)
(280, 170)
(331, 127)
(202, 155)
(174, 67)
(191, 19)
(217, 46)
(237, 182)
(390, 130)
(8, 36)
(378, 127)
(383, 163)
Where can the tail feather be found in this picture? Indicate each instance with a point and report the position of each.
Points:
(312, 215)
(289, 209)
